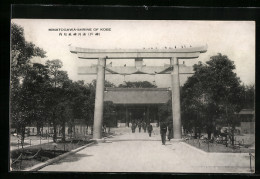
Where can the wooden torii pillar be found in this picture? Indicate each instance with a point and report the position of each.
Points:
(138, 54)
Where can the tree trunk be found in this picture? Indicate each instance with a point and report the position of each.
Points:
(195, 133)
(199, 131)
(54, 127)
(55, 132)
(232, 135)
(74, 130)
(42, 131)
(38, 129)
(22, 135)
(63, 132)
(209, 134)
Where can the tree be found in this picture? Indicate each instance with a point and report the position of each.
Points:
(81, 103)
(249, 98)
(138, 84)
(21, 52)
(214, 92)
(165, 110)
(108, 107)
(37, 81)
(56, 94)
(109, 112)
(20, 79)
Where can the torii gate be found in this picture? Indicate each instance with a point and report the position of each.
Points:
(138, 54)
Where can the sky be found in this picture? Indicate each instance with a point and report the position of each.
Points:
(236, 39)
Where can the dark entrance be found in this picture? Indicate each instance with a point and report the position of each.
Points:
(137, 104)
(137, 114)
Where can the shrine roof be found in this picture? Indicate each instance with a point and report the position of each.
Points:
(137, 95)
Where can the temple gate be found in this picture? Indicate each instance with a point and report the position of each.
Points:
(138, 54)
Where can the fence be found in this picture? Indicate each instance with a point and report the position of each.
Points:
(215, 145)
(44, 150)
(31, 141)
(221, 146)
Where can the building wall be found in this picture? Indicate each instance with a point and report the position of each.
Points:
(247, 127)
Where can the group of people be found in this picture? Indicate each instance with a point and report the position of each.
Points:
(140, 125)
(164, 127)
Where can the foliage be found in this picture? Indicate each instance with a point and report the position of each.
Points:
(21, 52)
(137, 84)
(91, 102)
(165, 111)
(109, 113)
(23, 79)
(249, 99)
(212, 95)
(43, 94)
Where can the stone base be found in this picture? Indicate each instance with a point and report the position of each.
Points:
(99, 140)
(177, 140)
(103, 140)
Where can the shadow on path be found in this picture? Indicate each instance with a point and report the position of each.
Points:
(73, 158)
(127, 140)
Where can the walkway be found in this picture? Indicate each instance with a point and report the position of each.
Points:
(138, 153)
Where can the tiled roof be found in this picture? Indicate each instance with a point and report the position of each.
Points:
(137, 95)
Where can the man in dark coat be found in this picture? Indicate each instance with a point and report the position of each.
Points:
(150, 129)
(163, 130)
(170, 132)
(139, 126)
(170, 129)
(144, 126)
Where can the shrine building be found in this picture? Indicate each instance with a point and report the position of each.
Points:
(136, 104)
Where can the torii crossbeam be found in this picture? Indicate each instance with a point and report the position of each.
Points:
(138, 54)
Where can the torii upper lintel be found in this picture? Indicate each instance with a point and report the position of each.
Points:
(180, 53)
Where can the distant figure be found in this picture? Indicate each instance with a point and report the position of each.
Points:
(104, 128)
(163, 130)
(144, 126)
(170, 128)
(170, 131)
(150, 129)
(139, 126)
(133, 127)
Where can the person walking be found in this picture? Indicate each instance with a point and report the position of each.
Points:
(163, 130)
(139, 126)
(150, 129)
(170, 129)
(133, 127)
(144, 126)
